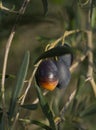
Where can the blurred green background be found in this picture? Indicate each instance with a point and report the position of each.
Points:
(62, 15)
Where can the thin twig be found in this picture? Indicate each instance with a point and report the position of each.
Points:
(90, 60)
(4, 73)
(68, 102)
(73, 67)
(90, 54)
(66, 34)
(90, 50)
(7, 49)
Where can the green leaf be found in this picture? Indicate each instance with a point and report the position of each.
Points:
(19, 84)
(83, 98)
(56, 51)
(89, 110)
(42, 125)
(45, 108)
(8, 76)
(30, 106)
(45, 6)
(68, 125)
(1, 113)
(80, 85)
(3, 124)
(78, 102)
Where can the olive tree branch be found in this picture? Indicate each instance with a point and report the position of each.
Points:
(7, 9)
(90, 49)
(62, 38)
(90, 61)
(7, 49)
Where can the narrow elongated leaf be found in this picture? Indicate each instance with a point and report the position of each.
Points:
(56, 51)
(68, 125)
(80, 85)
(3, 124)
(83, 97)
(89, 110)
(77, 103)
(30, 106)
(8, 76)
(42, 125)
(45, 108)
(45, 6)
(19, 84)
(1, 113)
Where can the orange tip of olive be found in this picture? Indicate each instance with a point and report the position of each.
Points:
(49, 85)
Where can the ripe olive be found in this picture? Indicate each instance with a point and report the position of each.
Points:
(52, 73)
(67, 59)
(47, 74)
(63, 73)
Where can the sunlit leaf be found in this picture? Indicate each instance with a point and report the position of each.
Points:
(19, 84)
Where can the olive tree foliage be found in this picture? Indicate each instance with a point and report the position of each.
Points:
(79, 109)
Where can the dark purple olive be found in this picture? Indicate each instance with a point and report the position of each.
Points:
(67, 59)
(47, 75)
(63, 73)
(55, 73)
